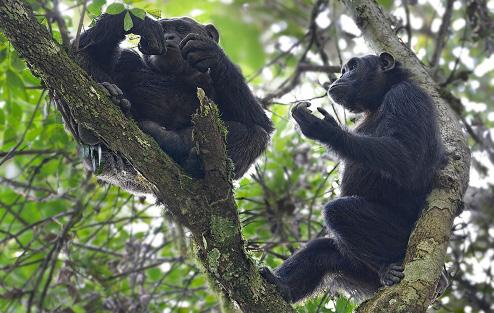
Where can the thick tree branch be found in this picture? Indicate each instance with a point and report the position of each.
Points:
(206, 207)
(427, 246)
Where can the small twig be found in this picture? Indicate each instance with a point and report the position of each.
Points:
(62, 26)
(143, 268)
(79, 27)
(319, 188)
(28, 126)
(442, 35)
(408, 27)
(31, 152)
(457, 61)
(309, 67)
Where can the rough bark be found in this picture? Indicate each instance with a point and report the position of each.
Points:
(207, 207)
(428, 242)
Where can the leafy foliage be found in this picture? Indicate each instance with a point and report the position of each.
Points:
(94, 248)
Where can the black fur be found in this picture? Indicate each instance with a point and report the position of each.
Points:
(390, 160)
(179, 55)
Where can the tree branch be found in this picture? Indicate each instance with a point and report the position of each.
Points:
(206, 207)
(428, 243)
(442, 35)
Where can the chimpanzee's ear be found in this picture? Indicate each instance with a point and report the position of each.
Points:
(213, 32)
(387, 61)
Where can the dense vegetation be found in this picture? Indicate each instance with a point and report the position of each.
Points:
(69, 244)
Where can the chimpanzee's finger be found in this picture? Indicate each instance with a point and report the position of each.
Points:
(324, 112)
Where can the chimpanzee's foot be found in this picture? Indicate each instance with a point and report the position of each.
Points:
(169, 141)
(271, 278)
(117, 97)
(391, 274)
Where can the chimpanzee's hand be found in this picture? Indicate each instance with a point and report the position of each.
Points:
(87, 136)
(117, 96)
(201, 52)
(271, 278)
(312, 126)
(152, 38)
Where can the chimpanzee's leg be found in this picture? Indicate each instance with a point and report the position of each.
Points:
(244, 144)
(311, 267)
(372, 233)
(176, 143)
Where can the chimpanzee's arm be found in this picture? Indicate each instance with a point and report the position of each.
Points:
(381, 153)
(244, 145)
(232, 95)
(385, 153)
(95, 54)
(97, 45)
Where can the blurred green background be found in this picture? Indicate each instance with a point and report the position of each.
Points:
(102, 250)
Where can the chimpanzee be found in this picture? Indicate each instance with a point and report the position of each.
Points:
(158, 89)
(390, 160)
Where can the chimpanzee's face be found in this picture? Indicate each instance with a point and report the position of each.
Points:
(363, 82)
(174, 31)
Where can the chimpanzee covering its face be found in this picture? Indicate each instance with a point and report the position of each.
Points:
(174, 31)
(158, 89)
(390, 160)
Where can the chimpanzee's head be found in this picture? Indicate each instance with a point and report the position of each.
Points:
(174, 31)
(365, 81)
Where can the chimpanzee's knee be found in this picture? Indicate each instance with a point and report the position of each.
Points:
(338, 212)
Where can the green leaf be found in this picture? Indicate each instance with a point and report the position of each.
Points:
(93, 9)
(128, 24)
(154, 274)
(387, 4)
(14, 81)
(115, 8)
(155, 13)
(99, 2)
(140, 13)
(78, 309)
(343, 305)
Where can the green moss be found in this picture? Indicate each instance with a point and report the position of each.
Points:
(208, 107)
(214, 260)
(417, 270)
(222, 229)
(184, 209)
(256, 285)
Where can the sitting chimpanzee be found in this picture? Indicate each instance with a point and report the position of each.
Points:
(159, 91)
(390, 160)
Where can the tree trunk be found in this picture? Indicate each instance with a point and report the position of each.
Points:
(207, 207)
(428, 243)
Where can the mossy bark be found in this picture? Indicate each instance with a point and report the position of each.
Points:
(428, 243)
(206, 207)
